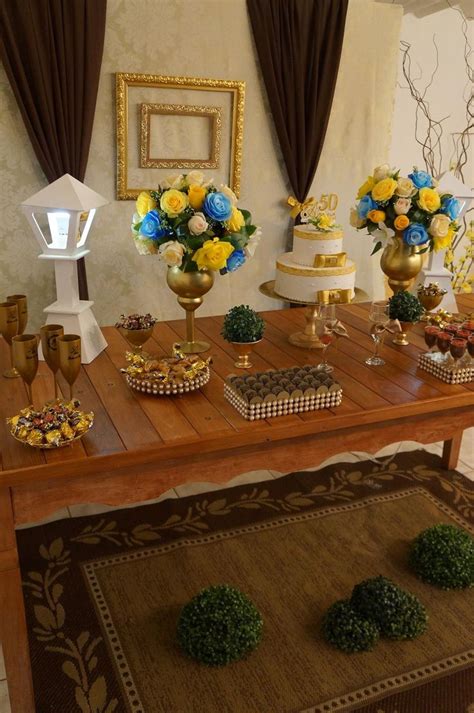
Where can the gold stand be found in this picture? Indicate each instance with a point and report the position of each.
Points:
(308, 338)
(191, 345)
(190, 288)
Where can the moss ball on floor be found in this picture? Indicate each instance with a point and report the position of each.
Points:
(347, 630)
(397, 614)
(443, 555)
(219, 625)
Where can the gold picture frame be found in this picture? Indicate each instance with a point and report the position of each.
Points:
(214, 113)
(124, 80)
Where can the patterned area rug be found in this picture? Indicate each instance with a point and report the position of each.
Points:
(103, 594)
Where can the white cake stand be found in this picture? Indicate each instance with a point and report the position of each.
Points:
(308, 338)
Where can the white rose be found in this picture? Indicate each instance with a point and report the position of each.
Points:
(197, 224)
(402, 206)
(145, 246)
(136, 219)
(253, 242)
(354, 219)
(172, 253)
(195, 178)
(172, 182)
(381, 172)
(405, 188)
(439, 225)
(229, 193)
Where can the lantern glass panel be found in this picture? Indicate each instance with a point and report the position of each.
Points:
(85, 224)
(58, 226)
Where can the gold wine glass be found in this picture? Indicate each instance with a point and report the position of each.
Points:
(25, 359)
(8, 330)
(49, 335)
(22, 304)
(69, 348)
(136, 337)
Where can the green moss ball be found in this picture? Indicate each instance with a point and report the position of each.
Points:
(396, 613)
(347, 630)
(443, 555)
(219, 625)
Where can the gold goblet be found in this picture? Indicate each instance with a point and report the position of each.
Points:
(136, 337)
(49, 335)
(8, 330)
(69, 348)
(25, 359)
(22, 305)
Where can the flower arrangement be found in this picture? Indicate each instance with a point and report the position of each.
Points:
(242, 324)
(443, 555)
(191, 224)
(410, 206)
(323, 222)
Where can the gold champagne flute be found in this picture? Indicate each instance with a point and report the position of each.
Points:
(22, 304)
(49, 335)
(25, 359)
(8, 330)
(69, 347)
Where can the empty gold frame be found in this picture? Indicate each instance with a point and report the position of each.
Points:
(213, 139)
(235, 122)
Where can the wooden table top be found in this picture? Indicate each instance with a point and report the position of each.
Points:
(131, 428)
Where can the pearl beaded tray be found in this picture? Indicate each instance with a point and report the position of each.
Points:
(172, 388)
(280, 392)
(433, 362)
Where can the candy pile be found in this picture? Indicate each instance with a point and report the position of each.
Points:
(136, 321)
(56, 424)
(431, 290)
(167, 370)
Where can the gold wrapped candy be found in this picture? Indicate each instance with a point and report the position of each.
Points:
(55, 425)
(167, 370)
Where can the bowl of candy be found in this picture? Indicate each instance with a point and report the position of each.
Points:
(57, 424)
(166, 376)
(137, 329)
(430, 295)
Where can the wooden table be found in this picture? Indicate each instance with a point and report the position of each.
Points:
(141, 446)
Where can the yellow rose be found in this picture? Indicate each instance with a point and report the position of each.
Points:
(173, 202)
(441, 243)
(376, 216)
(213, 254)
(236, 220)
(384, 189)
(365, 187)
(429, 200)
(325, 222)
(401, 222)
(196, 195)
(145, 203)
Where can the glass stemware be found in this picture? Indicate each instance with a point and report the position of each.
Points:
(69, 347)
(378, 315)
(8, 330)
(49, 343)
(457, 349)
(327, 315)
(22, 304)
(443, 340)
(25, 359)
(470, 347)
(431, 333)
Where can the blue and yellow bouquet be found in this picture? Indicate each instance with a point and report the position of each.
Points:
(411, 208)
(191, 224)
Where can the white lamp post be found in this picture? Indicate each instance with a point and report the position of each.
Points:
(435, 271)
(60, 216)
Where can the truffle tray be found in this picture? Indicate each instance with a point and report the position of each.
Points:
(435, 364)
(283, 391)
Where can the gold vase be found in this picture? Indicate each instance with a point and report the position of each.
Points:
(190, 288)
(401, 337)
(243, 350)
(401, 263)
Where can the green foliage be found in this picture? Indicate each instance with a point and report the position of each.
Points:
(444, 555)
(242, 324)
(397, 614)
(219, 625)
(347, 630)
(405, 307)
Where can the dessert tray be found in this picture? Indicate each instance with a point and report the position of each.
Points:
(58, 424)
(166, 376)
(435, 364)
(282, 391)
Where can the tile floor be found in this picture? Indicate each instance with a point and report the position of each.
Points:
(465, 466)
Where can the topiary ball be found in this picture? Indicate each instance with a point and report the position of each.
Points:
(444, 555)
(347, 630)
(397, 614)
(219, 625)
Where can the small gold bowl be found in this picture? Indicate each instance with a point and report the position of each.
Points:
(136, 337)
(430, 302)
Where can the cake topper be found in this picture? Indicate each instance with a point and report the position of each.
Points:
(310, 208)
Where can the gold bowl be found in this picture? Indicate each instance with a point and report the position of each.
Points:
(136, 337)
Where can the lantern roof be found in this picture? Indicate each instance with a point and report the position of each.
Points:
(66, 193)
(451, 184)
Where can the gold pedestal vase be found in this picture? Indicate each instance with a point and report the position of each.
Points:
(243, 350)
(401, 263)
(401, 337)
(190, 288)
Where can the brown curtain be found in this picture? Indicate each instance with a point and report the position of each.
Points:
(299, 45)
(52, 54)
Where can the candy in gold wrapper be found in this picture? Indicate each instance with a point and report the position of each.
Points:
(166, 370)
(34, 437)
(83, 425)
(66, 431)
(53, 437)
(56, 424)
(22, 433)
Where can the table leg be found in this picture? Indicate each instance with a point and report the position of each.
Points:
(451, 450)
(13, 632)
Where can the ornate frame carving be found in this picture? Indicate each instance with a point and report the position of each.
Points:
(125, 79)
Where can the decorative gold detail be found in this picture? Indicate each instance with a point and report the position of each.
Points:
(336, 260)
(315, 235)
(316, 272)
(297, 207)
(190, 288)
(125, 79)
(311, 208)
(212, 112)
(334, 296)
(401, 263)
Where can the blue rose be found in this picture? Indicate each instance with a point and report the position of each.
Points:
(415, 234)
(235, 261)
(421, 179)
(217, 206)
(366, 204)
(151, 226)
(450, 206)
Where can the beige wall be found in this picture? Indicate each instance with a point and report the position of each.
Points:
(210, 38)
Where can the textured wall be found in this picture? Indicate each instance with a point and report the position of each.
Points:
(210, 38)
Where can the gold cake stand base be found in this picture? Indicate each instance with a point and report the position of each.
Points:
(308, 338)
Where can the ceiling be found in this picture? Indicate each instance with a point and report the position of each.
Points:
(421, 8)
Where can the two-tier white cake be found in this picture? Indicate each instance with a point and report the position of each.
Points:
(317, 270)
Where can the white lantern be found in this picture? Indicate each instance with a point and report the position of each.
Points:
(61, 216)
(435, 271)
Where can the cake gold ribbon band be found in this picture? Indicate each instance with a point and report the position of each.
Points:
(297, 207)
(327, 297)
(312, 235)
(314, 272)
(336, 260)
